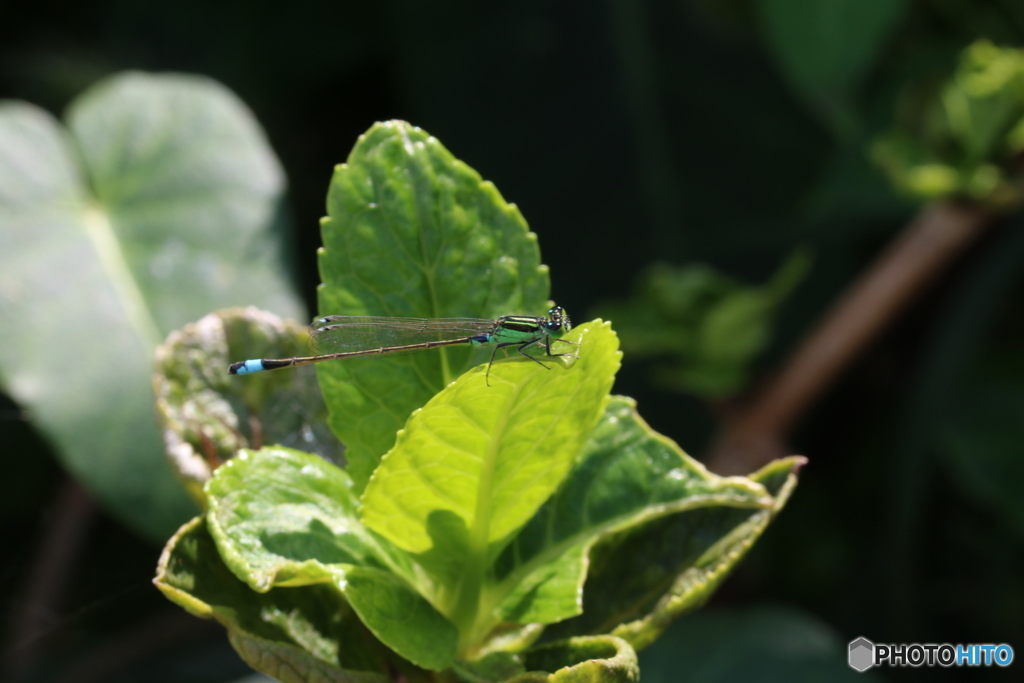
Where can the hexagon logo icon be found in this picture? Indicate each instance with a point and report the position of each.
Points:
(862, 654)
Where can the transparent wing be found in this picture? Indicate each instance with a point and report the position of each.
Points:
(343, 333)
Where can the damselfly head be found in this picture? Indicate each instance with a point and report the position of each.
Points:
(558, 320)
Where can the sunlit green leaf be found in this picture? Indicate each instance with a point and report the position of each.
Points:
(294, 634)
(478, 460)
(595, 659)
(628, 474)
(502, 444)
(412, 231)
(644, 577)
(285, 518)
(156, 205)
(502, 481)
(497, 666)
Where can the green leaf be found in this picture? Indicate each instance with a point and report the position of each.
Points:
(294, 634)
(628, 475)
(477, 462)
(156, 205)
(594, 659)
(207, 415)
(643, 577)
(281, 517)
(412, 231)
(707, 326)
(985, 100)
(496, 666)
(963, 139)
(825, 48)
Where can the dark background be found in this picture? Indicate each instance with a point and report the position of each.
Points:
(627, 134)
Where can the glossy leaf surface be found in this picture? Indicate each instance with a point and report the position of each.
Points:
(643, 577)
(501, 486)
(497, 449)
(285, 518)
(477, 461)
(294, 634)
(414, 232)
(628, 474)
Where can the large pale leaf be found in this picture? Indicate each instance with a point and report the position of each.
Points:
(285, 518)
(628, 475)
(412, 231)
(207, 415)
(156, 205)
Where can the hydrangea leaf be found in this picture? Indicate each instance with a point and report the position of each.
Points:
(295, 634)
(594, 659)
(412, 231)
(281, 517)
(642, 578)
(207, 415)
(628, 475)
(472, 467)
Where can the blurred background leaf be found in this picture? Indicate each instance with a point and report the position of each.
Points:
(966, 138)
(825, 49)
(157, 204)
(708, 326)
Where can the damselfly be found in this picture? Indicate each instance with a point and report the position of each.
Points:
(344, 336)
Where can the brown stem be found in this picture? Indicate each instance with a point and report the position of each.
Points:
(757, 433)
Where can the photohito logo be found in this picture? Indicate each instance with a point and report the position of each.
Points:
(864, 654)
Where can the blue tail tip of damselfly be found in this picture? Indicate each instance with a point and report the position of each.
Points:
(246, 367)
